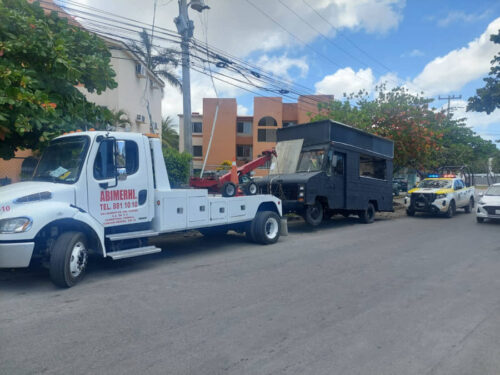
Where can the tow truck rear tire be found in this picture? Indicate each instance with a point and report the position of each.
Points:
(451, 210)
(367, 216)
(68, 259)
(266, 228)
(470, 206)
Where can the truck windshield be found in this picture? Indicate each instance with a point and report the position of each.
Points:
(311, 161)
(435, 184)
(62, 161)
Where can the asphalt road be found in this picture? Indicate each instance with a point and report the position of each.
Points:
(407, 296)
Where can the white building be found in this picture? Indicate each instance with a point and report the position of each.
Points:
(137, 86)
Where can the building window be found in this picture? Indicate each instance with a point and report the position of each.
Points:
(197, 127)
(197, 151)
(243, 151)
(373, 167)
(286, 124)
(266, 135)
(267, 121)
(244, 127)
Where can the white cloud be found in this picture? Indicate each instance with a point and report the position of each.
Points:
(281, 65)
(346, 81)
(457, 68)
(461, 16)
(242, 110)
(479, 121)
(416, 53)
(240, 29)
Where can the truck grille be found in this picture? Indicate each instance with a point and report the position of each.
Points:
(284, 192)
(422, 200)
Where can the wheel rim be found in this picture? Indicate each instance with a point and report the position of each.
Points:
(252, 189)
(271, 228)
(315, 212)
(230, 190)
(78, 259)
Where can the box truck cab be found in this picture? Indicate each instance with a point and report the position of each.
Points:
(108, 193)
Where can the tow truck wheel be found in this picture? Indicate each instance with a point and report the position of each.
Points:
(451, 210)
(68, 259)
(468, 208)
(266, 228)
(314, 214)
(368, 215)
(228, 189)
(251, 188)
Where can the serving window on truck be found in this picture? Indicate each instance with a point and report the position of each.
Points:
(372, 167)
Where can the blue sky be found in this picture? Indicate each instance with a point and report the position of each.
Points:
(439, 47)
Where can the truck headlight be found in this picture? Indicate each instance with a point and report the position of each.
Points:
(440, 196)
(15, 225)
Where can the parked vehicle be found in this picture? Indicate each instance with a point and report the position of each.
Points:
(396, 189)
(107, 193)
(488, 206)
(402, 182)
(325, 168)
(440, 195)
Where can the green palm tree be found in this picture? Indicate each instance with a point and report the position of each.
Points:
(169, 136)
(161, 62)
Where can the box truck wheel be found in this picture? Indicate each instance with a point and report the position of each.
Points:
(314, 214)
(368, 215)
(266, 227)
(68, 259)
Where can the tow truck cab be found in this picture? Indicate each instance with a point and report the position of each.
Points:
(108, 193)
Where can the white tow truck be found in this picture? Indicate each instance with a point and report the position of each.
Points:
(108, 193)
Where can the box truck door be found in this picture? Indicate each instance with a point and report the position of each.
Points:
(117, 183)
(338, 175)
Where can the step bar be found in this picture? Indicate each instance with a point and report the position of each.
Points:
(138, 251)
(129, 235)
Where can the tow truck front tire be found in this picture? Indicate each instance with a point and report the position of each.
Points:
(266, 228)
(68, 259)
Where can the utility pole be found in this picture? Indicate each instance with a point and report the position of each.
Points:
(185, 29)
(449, 98)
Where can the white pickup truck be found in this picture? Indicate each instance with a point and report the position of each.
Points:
(108, 193)
(440, 194)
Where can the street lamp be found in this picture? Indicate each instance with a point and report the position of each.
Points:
(185, 29)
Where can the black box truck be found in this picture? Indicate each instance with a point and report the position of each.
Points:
(325, 168)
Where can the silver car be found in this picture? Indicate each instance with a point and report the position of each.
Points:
(488, 206)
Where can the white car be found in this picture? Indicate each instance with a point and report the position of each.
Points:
(488, 206)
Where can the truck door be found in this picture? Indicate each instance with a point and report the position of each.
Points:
(117, 196)
(337, 173)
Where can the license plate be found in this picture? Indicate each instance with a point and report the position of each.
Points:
(497, 212)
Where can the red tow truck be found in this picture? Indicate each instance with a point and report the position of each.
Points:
(228, 186)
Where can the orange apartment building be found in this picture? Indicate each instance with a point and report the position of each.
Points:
(244, 137)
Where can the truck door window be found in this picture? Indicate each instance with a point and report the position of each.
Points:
(338, 164)
(373, 167)
(104, 164)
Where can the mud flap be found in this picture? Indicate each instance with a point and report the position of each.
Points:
(284, 226)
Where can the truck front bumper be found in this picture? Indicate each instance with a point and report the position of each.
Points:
(16, 254)
(437, 206)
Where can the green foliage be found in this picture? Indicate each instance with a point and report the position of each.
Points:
(169, 136)
(177, 166)
(42, 60)
(487, 99)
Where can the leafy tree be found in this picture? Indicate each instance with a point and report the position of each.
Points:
(161, 63)
(42, 61)
(396, 114)
(169, 136)
(487, 99)
(177, 166)
(120, 119)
